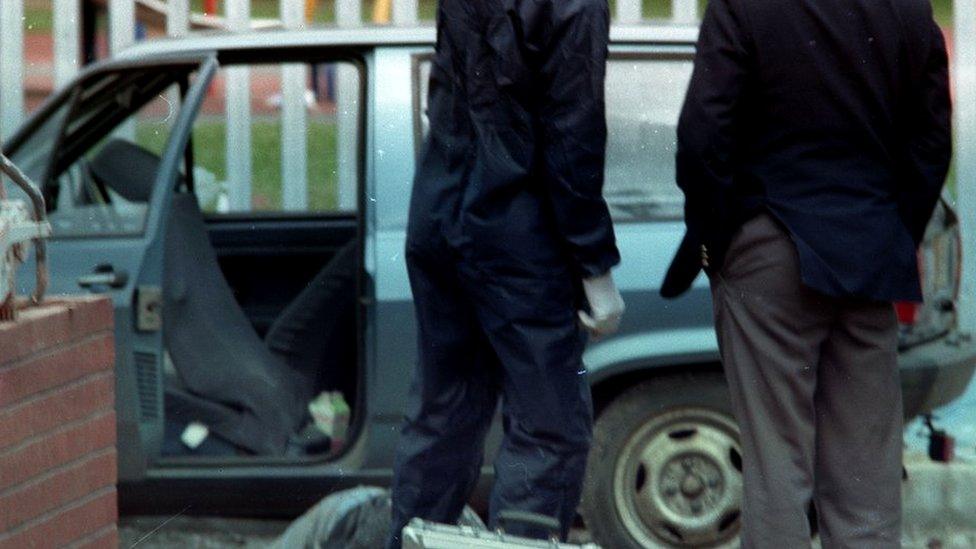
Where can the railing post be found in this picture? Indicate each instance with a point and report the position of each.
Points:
(684, 12)
(294, 119)
(405, 13)
(67, 40)
(964, 78)
(11, 65)
(629, 12)
(122, 24)
(238, 115)
(348, 14)
(177, 26)
(121, 35)
(177, 18)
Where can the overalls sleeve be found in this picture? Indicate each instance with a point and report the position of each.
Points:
(574, 131)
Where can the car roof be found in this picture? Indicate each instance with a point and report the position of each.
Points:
(366, 36)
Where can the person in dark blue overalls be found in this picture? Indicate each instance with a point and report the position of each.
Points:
(509, 251)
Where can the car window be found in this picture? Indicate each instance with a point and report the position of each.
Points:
(34, 154)
(106, 190)
(329, 182)
(96, 156)
(643, 97)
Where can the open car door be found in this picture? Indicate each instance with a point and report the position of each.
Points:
(109, 215)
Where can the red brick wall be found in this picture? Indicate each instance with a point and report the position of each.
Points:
(57, 426)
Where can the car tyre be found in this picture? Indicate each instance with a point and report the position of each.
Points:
(665, 469)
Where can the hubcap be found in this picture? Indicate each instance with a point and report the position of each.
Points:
(678, 480)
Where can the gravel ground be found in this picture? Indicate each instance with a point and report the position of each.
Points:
(195, 532)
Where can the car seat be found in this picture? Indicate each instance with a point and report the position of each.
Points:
(316, 334)
(218, 356)
(225, 377)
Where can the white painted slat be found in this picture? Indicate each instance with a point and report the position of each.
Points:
(629, 11)
(178, 18)
(684, 11)
(67, 40)
(294, 119)
(348, 14)
(11, 65)
(121, 23)
(405, 13)
(238, 157)
(965, 111)
(121, 35)
(177, 26)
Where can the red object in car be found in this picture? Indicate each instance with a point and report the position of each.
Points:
(907, 312)
(210, 7)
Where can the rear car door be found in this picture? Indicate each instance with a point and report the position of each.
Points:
(108, 215)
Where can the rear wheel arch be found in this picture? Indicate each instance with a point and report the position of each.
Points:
(608, 388)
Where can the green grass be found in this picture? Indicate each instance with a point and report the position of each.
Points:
(943, 11)
(37, 19)
(209, 152)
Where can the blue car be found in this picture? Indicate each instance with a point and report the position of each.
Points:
(264, 325)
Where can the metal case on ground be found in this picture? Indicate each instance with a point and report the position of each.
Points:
(421, 534)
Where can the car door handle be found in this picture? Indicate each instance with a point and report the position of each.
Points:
(104, 276)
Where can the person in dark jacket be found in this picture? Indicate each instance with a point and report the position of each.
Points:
(812, 149)
(509, 251)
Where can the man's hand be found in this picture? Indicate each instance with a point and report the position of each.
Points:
(606, 305)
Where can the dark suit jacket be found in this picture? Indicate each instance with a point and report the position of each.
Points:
(833, 116)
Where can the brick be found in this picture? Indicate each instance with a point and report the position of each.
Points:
(50, 492)
(93, 514)
(58, 367)
(106, 538)
(47, 411)
(20, 464)
(54, 323)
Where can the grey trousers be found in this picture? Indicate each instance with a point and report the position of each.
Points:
(815, 388)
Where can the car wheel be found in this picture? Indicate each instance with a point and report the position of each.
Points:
(665, 469)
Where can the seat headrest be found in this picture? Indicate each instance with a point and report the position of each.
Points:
(127, 169)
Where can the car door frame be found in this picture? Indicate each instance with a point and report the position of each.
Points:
(139, 352)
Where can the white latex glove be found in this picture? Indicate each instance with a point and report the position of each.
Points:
(606, 305)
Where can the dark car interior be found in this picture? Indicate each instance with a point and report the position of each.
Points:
(260, 318)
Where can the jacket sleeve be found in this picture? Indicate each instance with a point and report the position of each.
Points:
(928, 134)
(574, 131)
(706, 128)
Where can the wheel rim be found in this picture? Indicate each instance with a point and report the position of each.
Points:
(678, 480)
